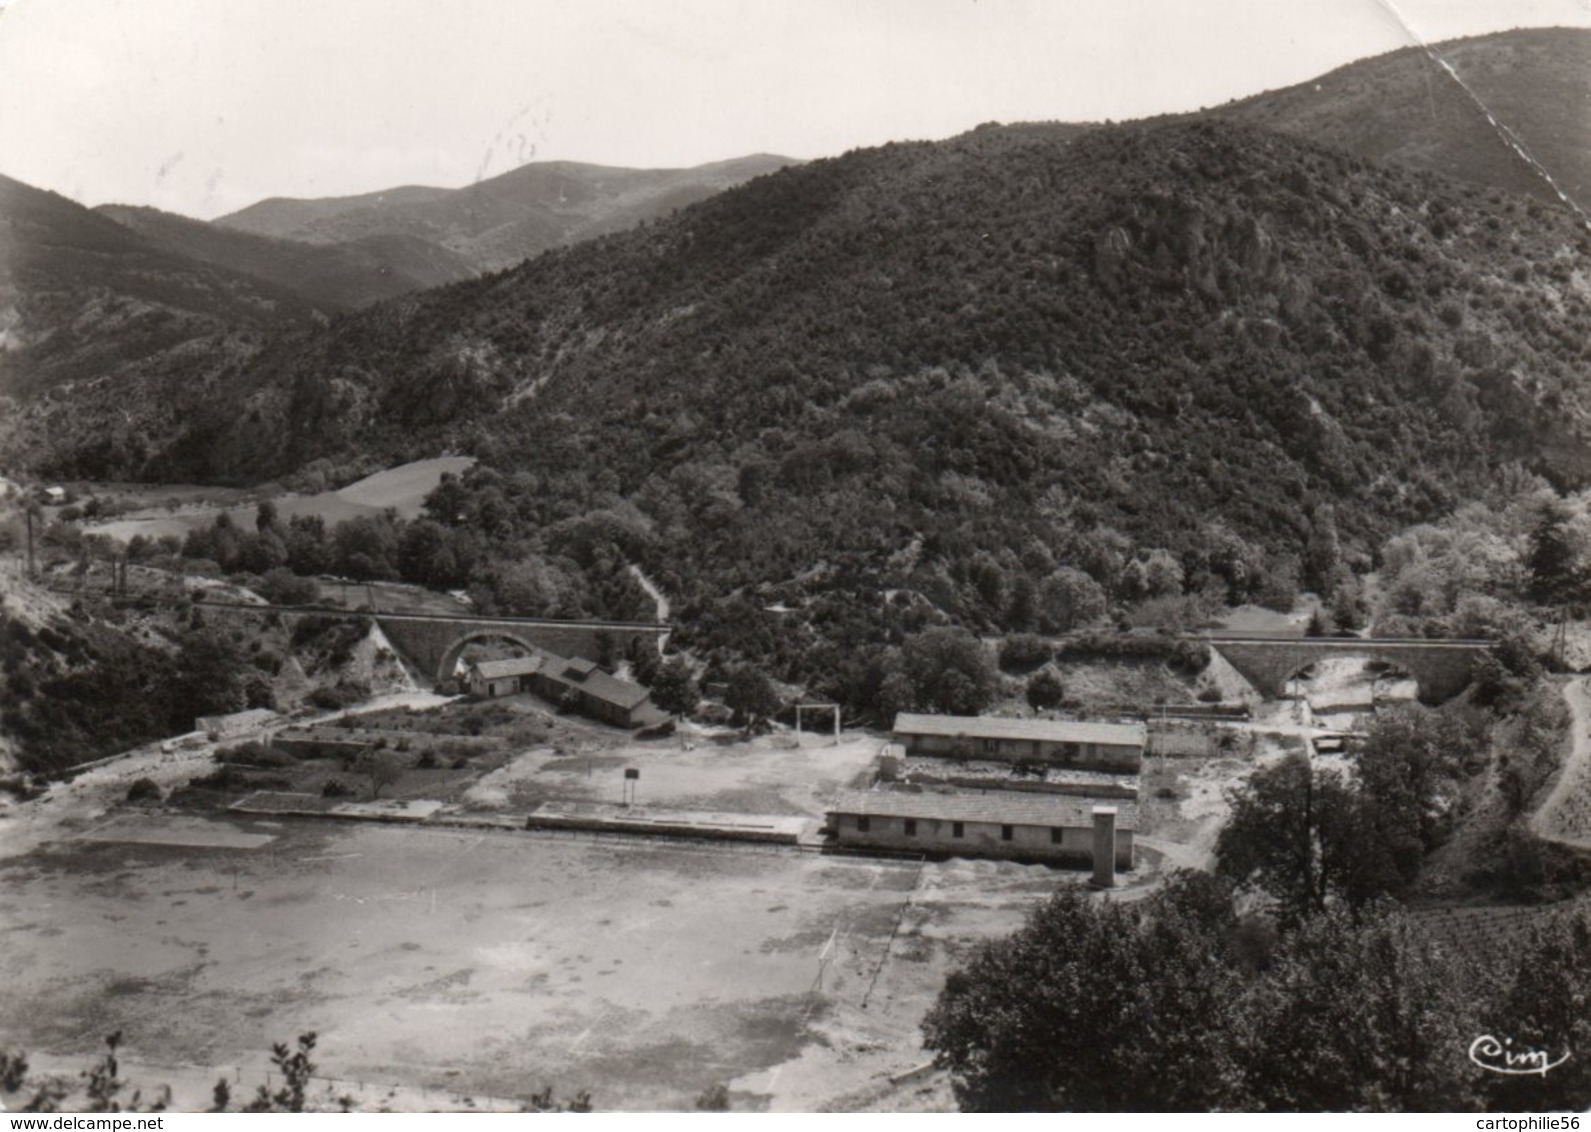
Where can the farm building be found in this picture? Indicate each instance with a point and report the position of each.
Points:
(1115, 747)
(577, 683)
(488, 679)
(996, 823)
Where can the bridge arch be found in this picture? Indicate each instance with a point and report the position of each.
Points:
(1440, 668)
(450, 657)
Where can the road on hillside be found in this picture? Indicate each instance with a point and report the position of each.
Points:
(1571, 778)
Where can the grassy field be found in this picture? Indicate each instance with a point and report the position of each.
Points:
(171, 509)
(494, 964)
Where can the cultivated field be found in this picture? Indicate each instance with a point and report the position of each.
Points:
(491, 964)
(177, 510)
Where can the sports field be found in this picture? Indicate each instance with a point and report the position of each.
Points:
(491, 964)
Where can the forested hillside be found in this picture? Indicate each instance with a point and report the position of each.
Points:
(333, 277)
(990, 377)
(1410, 109)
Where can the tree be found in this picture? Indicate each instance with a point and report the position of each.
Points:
(1554, 558)
(1097, 1007)
(949, 671)
(1289, 833)
(1070, 599)
(1360, 1012)
(1543, 1007)
(1322, 555)
(265, 516)
(1409, 765)
(1045, 690)
(674, 687)
(383, 768)
(751, 695)
(1162, 574)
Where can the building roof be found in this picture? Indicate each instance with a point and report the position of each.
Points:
(620, 693)
(998, 727)
(997, 807)
(513, 666)
(577, 672)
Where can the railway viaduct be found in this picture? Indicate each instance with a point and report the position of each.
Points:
(432, 642)
(1442, 668)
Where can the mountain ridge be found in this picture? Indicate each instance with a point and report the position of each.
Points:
(497, 222)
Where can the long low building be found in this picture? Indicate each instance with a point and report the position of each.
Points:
(1115, 747)
(996, 823)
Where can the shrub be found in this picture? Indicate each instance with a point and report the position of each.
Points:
(1024, 651)
(253, 754)
(143, 790)
(336, 788)
(1045, 690)
(713, 1099)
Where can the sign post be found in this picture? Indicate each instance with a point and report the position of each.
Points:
(632, 779)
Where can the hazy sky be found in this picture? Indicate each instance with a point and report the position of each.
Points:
(204, 106)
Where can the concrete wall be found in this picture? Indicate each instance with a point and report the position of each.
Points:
(1122, 759)
(979, 839)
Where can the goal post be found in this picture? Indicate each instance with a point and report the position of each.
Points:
(833, 709)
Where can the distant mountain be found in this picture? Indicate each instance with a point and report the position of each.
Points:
(1408, 108)
(334, 277)
(499, 222)
(86, 302)
(1021, 346)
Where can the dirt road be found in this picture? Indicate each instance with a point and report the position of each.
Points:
(1548, 822)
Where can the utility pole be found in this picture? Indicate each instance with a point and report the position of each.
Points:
(33, 571)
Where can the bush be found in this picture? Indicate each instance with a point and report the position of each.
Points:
(1187, 656)
(338, 696)
(143, 790)
(713, 1099)
(253, 754)
(221, 778)
(1045, 690)
(282, 587)
(426, 761)
(336, 788)
(1023, 652)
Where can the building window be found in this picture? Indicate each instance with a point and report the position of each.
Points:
(1006, 833)
(957, 829)
(911, 827)
(1069, 751)
(863, 823)
(991, 746)
(1055, 835)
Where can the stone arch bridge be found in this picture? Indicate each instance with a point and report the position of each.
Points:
(1441, 667)
(433, 642)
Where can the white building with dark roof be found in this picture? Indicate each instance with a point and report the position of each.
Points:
(1115, 747)
(576, 683)
(996, 823)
